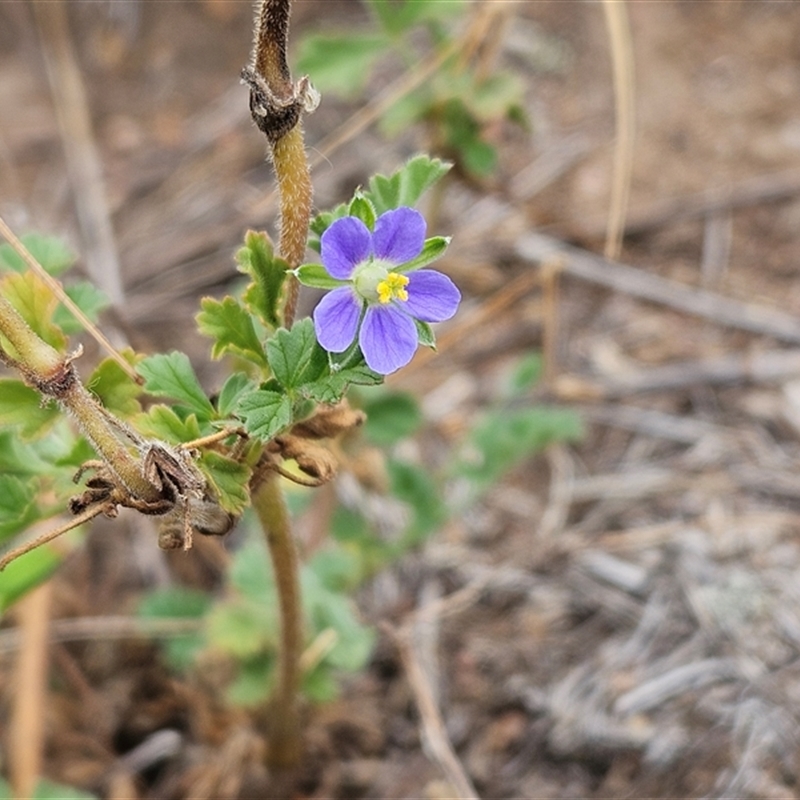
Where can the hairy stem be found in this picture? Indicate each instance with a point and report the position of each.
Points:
(284, 720)
(54, 376)
(294, 184)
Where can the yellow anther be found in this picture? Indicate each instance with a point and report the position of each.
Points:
(392, 288)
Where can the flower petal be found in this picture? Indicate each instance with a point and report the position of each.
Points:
(399, 235)
(432, 296)
(345, 243)
(336, 319)
(388, 338)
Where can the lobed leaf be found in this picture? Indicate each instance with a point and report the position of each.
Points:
(229, 479)
(265, 413)
(24, 409)
(258, 260)
(231, 327)
(51, 253)
(171, 375)
(295, 357)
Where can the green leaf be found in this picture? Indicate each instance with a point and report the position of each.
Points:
(405, 186)
(340, 63)
(337, 568)
(49, 251)
(183, 603)
(326, 609)
(494, 97)
(229, 479)
(47, 790)
(88, 298)
(171, 375)
(415, 486)
(504, 437)
(240, 627)
(265, 414)
(258, 260)
(24, 409)
(433, 248)
(19, 458)
(231, 327)
(294, 355)
(317, 276)
(254, 683)
(526, 374)
(36, 304)
(391, 417)
(361, 208)
(320, 686)
(399, 17)
(231, 391)
(332, 387)
(17, 505)
(25, 573)
(115, 389)
(162, 422)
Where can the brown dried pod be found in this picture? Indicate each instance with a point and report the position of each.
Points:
(330, 421)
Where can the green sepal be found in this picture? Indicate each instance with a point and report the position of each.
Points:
(232, 329)
(317, 276)
(171, 375)
(433, 248)
(265, 414)
(425, 334)
(361, 208)
(258, 260)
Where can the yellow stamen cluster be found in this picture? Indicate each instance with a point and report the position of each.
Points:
(392, 288)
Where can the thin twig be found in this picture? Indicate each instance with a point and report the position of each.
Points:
(619, 34)
(65, 299)
(48, 536)
(26, 737)
(434, 731)
(109, 628)
(535, 247)
(83, 159)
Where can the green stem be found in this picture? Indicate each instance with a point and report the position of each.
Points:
(284, 714)
(54, 376)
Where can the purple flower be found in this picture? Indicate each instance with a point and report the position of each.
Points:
(379, 294)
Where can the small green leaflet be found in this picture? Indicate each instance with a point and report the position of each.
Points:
(36, 304)
(258, 260)
(17, 505)
(171, 375)
(161, 422)
(265, 413)
(295, 357)
(229, 478)
(88, 298)
(50, 252)
(332, 387)
(115, 389)
(21, 406)
(231, 327)
(231, 391)
(407, 184)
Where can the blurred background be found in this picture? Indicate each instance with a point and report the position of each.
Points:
(617, 614)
